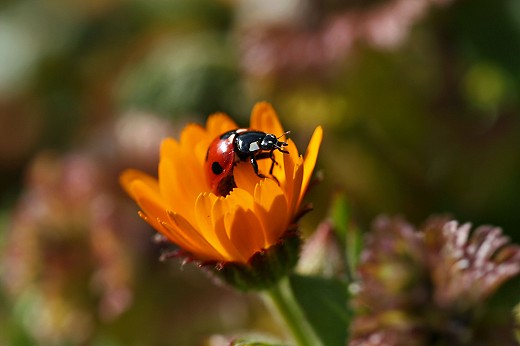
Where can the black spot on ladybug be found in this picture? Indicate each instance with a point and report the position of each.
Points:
(216, 168)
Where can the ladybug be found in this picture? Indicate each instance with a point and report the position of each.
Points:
(235, 146)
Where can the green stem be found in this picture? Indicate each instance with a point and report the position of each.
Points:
(282, 299)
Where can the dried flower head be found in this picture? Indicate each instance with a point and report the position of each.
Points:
(468, 266)
(419, 287)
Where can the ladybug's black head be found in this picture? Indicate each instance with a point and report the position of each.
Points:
(271, 142)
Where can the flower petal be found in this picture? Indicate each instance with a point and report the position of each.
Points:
(311, 155)
(143, 191)
(218, 213)
(279, 167)
(245, 231)
(212, 227)
(129, 176)
(167, 186)
(183, 178)
(176, 236)
(271, 208)
(194, 141)
(169, 147)
(245, 177)
(239, 197)
(292, 149)
(191, 135)
(205, 250)
(154, 212)
(218, 124)
(264, 118)
(175, 189)
(293, 185)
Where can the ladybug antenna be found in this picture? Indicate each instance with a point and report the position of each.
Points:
(279, 145)
(283, 134)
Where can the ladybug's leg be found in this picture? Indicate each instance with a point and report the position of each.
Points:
(271, 156)
(261, 156)
(255, 166)
(266, 155)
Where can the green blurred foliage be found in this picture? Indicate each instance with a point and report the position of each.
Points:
(324, 304)
(425, 123)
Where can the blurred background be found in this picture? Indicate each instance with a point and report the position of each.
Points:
(419, 100)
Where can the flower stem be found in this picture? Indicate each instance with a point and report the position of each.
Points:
(282, 299)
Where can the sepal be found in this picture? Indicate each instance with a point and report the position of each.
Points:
(264, 269)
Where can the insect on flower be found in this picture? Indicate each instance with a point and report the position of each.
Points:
(251, 215)
(239, 145)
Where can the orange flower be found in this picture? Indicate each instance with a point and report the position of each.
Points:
(251, 218)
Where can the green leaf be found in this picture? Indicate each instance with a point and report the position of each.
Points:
(250, 342)
(516, 313)
(347, 232)
(340, 215)
(325, 304)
